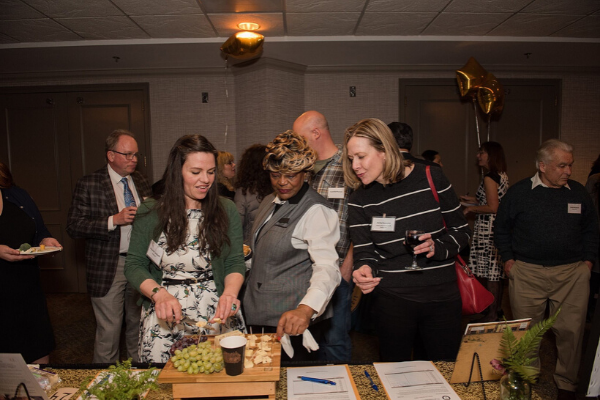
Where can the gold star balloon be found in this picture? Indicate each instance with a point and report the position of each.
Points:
(470, 77)
(490, 95)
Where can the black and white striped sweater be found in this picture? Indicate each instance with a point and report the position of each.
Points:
(413, 205)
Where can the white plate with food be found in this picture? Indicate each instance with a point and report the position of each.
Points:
(40, 250)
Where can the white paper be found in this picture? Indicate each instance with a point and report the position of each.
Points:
(299, 389)
(13, 371)
(414, 380)
(594, 386)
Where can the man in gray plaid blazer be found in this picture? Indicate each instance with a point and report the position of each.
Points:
(102, 210)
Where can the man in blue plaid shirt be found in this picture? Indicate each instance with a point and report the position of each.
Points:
(327, 179)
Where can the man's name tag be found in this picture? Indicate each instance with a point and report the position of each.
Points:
(335, 193)
(155, 252)
(574, 208)
(383, 224)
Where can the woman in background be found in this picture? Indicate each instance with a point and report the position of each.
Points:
(391, 196)
(185, 254)
(484, 260)
(225, 174)
(252, 186)
(433, 156)
(30, 332)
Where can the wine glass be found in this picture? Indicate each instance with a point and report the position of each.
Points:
(412, 239)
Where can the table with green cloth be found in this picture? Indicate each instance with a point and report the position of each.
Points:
(74, 377)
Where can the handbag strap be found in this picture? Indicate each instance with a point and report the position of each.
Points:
(462, 262)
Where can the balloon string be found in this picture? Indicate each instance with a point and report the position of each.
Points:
(489, 126)
(476, 123)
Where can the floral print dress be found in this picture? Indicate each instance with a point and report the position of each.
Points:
(198, 301)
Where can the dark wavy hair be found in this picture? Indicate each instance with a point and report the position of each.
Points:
(212, 231)
(496, 160)
(251, 176)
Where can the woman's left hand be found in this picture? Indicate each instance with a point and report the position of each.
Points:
(427, 247)
(51, 242)
(228, 305)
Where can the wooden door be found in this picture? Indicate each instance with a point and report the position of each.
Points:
(35, 146)
(442, 121)
(51, 137)
(92, 115)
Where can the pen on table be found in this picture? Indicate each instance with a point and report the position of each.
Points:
(317, 380)
(373, 385)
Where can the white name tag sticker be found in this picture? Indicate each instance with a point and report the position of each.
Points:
(335, 193)
(574, 208)
(155, 252)
(383, 224)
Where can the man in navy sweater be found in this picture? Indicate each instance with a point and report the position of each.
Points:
(547, 235)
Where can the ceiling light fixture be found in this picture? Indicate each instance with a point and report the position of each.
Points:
(248, 26)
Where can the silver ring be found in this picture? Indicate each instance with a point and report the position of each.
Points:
(234, 307)
(431, 248)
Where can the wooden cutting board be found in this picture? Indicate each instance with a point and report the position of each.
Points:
(259, 373)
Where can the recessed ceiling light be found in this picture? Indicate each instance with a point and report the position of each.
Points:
(248, 26)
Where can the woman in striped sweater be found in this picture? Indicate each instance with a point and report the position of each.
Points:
(393, 195)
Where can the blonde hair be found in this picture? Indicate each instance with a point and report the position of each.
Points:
(380, 137)
(289, 153)
(224, 158)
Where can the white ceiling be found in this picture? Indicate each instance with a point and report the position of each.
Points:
(86, 35)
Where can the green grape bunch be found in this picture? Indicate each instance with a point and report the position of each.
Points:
(199, 358)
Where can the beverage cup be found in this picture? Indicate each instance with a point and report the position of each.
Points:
(234, 349)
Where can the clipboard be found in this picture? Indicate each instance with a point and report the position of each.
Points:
(483, 341)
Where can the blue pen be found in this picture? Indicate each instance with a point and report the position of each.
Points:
(317, 380)
(373, 385)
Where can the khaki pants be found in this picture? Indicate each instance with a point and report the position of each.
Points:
(532, 287)
(120, 299)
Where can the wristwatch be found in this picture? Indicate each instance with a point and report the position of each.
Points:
(156, 290)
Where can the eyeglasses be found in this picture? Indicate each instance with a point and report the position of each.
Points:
(129, 156)
(287, 177)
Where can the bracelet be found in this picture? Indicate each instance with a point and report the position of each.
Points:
(156, 290)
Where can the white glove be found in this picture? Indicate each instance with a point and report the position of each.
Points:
(307, 341)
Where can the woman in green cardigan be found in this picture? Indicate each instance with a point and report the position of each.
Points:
(185, 254)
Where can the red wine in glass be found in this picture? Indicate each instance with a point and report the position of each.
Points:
(412, 239)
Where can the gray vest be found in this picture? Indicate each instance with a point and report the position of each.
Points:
(280, 274)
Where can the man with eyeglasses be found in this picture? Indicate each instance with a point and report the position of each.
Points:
(102, 211)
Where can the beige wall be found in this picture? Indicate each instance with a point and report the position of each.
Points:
(378, 96)
(265, 98)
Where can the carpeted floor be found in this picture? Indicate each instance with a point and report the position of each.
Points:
(74, 327)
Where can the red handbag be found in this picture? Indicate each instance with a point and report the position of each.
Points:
(475, 297)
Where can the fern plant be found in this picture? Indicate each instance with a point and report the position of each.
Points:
(120, 383)
(518, 355)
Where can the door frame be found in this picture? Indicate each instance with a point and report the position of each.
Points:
(143, 86)
(555, 84)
